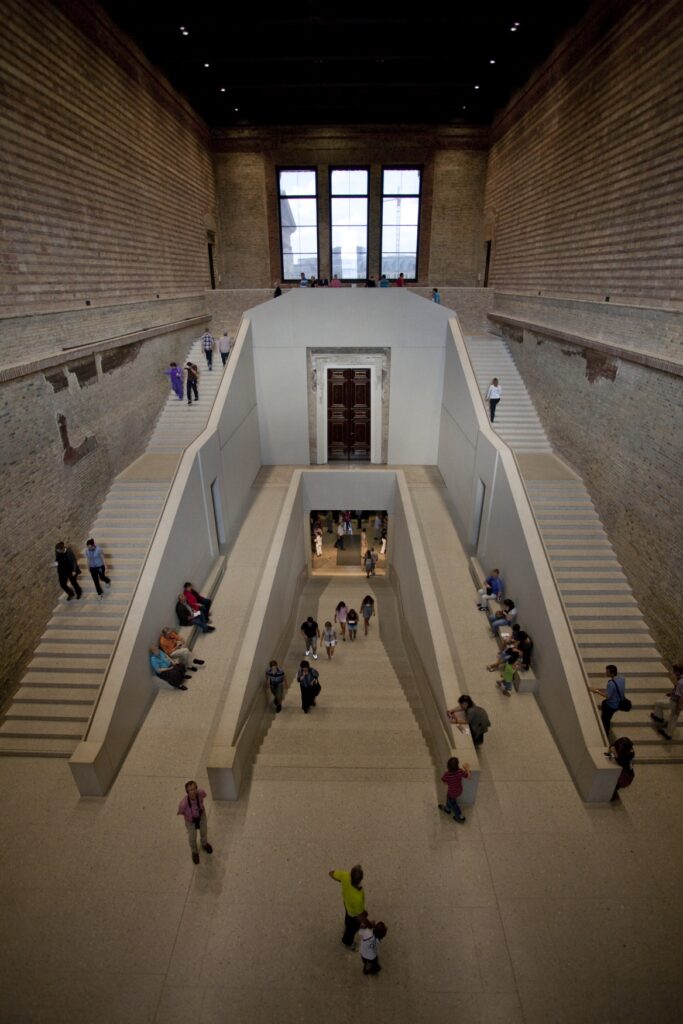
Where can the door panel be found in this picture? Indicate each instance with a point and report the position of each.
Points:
(348, 415)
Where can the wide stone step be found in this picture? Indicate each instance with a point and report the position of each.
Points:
(627, 638)
(32, 694)
(86, 649)
(648, 669)
(57, 679)
(622, 656)
(23, 715)
(42, 729)
(70, 664)
(396, 760)
(37, 746)
(67, 635)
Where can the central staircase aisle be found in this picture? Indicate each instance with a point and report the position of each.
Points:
(366, 718)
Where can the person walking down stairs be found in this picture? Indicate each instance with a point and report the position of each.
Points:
(67, 571)
(192, 381)
(95, 556)
(207, 345)
(493, 397)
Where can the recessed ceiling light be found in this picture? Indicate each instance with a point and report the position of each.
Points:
(476, 87)
(464, 107)
(492, 62)
(182, 28)
(516, 24)
(237, 109)
(223, 89)
(514, 28)
(185, 33)
(206, 65)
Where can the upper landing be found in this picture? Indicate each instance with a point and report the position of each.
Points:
(349, 318)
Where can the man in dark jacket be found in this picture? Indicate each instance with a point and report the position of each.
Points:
(67, 571)
(187, 616)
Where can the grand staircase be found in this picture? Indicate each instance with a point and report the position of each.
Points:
(604, 615)
(51, 709)
(367, 717)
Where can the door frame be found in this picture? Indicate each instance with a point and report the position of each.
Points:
(354, 361)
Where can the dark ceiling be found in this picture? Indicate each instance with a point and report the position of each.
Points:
(373, 61)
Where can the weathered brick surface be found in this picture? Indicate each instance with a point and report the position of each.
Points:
(658, 332)
(24, 338)
(107, 177)
(44, 499)
(457, 247)
(453, 160)
(620, 425)
(583, 194)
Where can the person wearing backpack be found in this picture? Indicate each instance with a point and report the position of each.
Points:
(614, 696)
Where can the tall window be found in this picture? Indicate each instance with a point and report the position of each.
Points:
(298, 223)
(400, 221)
(349, 235)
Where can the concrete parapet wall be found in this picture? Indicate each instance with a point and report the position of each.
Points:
(619, 423)
(470, 451)
(185, 546)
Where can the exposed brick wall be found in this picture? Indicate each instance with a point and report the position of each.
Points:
(457, 256)
(583, 193)
(113, 399)
(620, 426)
(243, 260)
(107, 179)
(453, 160)
(25, 338)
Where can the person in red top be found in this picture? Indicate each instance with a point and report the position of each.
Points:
(400, 281)
(453, 777)
(196, 601)
(192, 809)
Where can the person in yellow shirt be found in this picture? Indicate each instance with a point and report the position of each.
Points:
(353, 895)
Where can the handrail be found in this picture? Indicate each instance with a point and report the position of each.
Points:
(244, 324)
(540, 538)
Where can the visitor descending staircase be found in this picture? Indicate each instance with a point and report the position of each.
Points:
(51, 709)
(368, 717)
(607, 622)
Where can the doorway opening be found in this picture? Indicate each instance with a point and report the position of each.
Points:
(342, 539)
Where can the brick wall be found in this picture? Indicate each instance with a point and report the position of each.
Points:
(657, 332)
(457, 255)
(583, 194)
(43, 499)
(28, 337)
(453, 161)
(620, 426)
(107, 178)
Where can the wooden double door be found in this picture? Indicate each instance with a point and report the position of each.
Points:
(348, 415)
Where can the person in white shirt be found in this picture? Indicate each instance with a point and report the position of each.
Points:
(225, 344)
(370, 937)
(493, 396)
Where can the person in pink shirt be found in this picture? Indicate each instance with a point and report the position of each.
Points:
(192, 809)
(335, 282)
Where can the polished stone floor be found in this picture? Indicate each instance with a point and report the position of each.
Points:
(540, 909)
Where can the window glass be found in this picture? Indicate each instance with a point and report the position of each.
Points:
(298, 223)
(400, 221)
(349, 223)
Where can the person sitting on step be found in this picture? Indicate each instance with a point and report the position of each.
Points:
(173, 644)
(165, 669)
(189, 616)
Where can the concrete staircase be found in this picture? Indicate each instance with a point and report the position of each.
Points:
(516, 421)
(607, 622)
(604, 615)
(364, 720)
(179, 423)
(51, 709)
